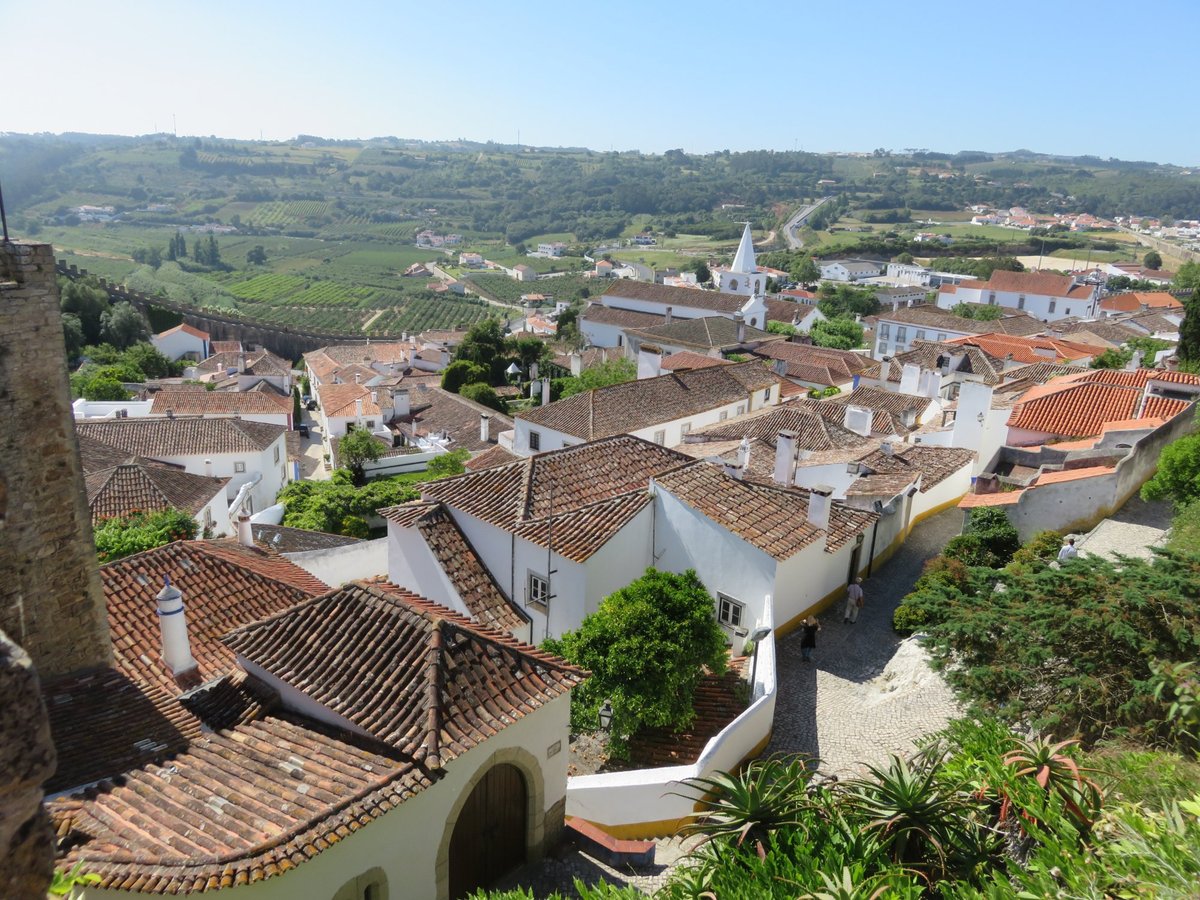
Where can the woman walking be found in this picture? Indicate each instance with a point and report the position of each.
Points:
(808, 637)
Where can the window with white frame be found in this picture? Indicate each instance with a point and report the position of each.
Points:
(882, 348)
(741, 408)
(901, 334)
(239, 467)
(723, 416)
(660, 436)
(537, 590)
(885, 330)
(685, 428)
(729, 611)
(1053, 303)
(920, 335)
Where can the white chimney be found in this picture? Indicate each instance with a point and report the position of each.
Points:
(886, 448)
(819, 503)
(533, 371)
(740, 321)
(241, 366)
(743, 456)
(779, 367)
(357, 376)
(400, 402)
(885, 370)
(484, 418)
(444, 358)
(358, 407)
(172, 622)
(245, 531)
(669, 317)
(208, 468)
(375, 397)
(785, 458)
(858, 419)
(649, 361)
(910, 378)
(545, 391)
(576, 364)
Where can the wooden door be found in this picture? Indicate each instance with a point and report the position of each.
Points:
(489, 836)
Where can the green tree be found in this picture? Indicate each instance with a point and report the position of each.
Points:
(103, 387)
(614, 371)
(1111, 358)
(72, 334)
(1188, 350)
(327, 505)
(150, 361)
(357, 448)
(529, 350)
(905, 259)
(1152, 260)
(1178, 476)
(461, 372)
(840, 334)
(782, 328)
(119, 537)
(446, 465)
(484, 344)
(87, 300)
(123, 326)
(806, 272)
(647, 647)
(485, 395)
(703, 273)
(257, 256)
(1188, 277)
(980, 313)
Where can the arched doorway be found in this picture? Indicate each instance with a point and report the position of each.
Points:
(489, 835)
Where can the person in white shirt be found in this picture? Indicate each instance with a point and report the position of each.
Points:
(1068, 551)
(854, 601)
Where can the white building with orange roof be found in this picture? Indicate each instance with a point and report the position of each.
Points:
(1044, 295)
(182, 341)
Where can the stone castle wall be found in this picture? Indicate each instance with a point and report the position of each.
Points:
(51, 601)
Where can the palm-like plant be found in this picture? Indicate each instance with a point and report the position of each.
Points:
(913, 813)
(1057, 774)
(845, 888)
(767, 795)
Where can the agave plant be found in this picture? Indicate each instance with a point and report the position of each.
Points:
(912, 812)
(1056, 773)
(767, 795)
(844, 888)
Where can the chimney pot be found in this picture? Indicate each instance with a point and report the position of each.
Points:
(785, 458)
(484, 419)
(245, 531)
(208, 468)
(669, 316)
(819, 503)
(740, 321)
(172, 623)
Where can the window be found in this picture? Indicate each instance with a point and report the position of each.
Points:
(885, 330)
(1053, 303)
(723, 416)
(239, 467)
(370, 423)
(766, 395)
(729, 611)
(992, 299)
(901, 334)
(537, 590)
(941, 336)
(660, 436)
(535, 441)
(369, 886)
(733, 284)
(741, 409)
(276, 453)
(685, 428)
(920, 335)
(1021, 302)
(882, 349)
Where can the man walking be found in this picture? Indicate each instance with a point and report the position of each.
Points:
(1068, 551)
(854, 601)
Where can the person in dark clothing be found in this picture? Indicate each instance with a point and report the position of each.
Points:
(808, 637)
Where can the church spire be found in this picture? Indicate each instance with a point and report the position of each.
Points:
(743, 262)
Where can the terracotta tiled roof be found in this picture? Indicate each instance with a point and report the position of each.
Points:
(935, 464)
(463, 567)
(934, 317)
(706, 332)
(633, 405)
(1027, 349)
(410, 673)
(888, 485)
(773, 519)
(620, 318)
(490, 458)
(687, 359)
(225, 346)
(341, 400)
(243, 804)
(223, 585)
(229, 403)
(1003, 498)
(184, 328)
(257, 362)
(1073, 474)
(897, 405)
(927, 353)
(675, 297)
(586, 482)
(283, 539)
(1163, 408)
(1153, 323)
(813, 430)
(1045, 283)
(433, 410)
(141, 485)
(1078, 406)
(96, 456)
(1043, 371)
(182, 436)
(719, 699)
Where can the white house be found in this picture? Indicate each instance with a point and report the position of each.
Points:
(252, 455)
(183, 341)
(683, 303)
(140, 485)
(660, 410)
(898, 329)
(522, 272)
(242, 370)
(1042, 295)
(254, 406)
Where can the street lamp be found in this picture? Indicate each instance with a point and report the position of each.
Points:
(757, 636)
(606, 715)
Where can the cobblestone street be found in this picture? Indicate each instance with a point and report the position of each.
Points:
(865, 695)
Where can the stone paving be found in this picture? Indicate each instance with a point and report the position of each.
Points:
(865, 695)
(1135, 528)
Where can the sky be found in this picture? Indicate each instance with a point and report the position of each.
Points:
(1056, 76)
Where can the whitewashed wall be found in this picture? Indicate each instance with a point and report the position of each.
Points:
(337, 565)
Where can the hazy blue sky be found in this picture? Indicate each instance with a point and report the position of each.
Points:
(1061, 76)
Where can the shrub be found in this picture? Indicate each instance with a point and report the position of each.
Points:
(908, 619)
(969, 550)
(118, 537)
(484, 395)
(462, 372)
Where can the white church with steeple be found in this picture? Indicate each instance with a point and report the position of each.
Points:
(743, 276)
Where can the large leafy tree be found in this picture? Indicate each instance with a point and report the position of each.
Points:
(123, 326)
(337, 506)
(485, 345)
(614, 371)
(1189, 329)
(840, 334)
(484, 395)
(462, 372)
(356, 449)
(118, 537)
(647, 647)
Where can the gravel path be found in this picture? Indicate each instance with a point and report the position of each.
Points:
(867, 694)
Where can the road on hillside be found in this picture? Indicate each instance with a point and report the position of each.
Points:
(797, 221)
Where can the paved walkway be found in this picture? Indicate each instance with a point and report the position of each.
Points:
(867, 694)
(1132, 531)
